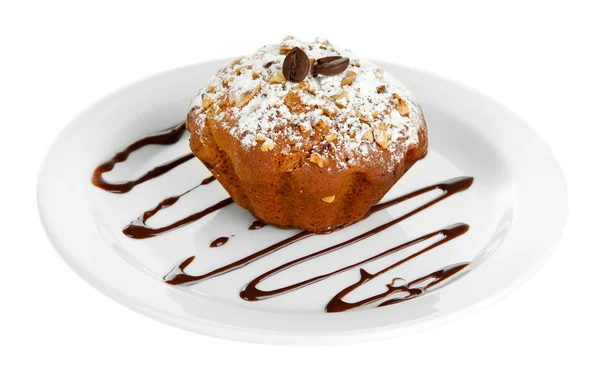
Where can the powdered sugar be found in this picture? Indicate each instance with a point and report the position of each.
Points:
(252, 100)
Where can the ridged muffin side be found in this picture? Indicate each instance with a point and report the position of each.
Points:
(263, 183)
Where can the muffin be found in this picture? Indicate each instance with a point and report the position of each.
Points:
(305, 134)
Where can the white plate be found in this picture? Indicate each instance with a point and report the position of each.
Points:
(516, 210)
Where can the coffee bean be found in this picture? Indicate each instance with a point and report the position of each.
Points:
(330, 66)
(328, 59)
(320, 62)
(296, 65)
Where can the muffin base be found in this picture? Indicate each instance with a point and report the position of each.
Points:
(288, 191)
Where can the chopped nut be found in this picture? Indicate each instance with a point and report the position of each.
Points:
(344, 94)
(365, 118)
(368, 136)
(375, 113)
(319, 160)
(294, 102)
(227, 81)
(210, 89)
(303, 85)
(305, 127)
(322, 124)
(247, 97)
(341, 103)
(401, 105)
(349, 78)
(331, 137)
(381, 134)
(240, 68)
(352, 133)
(330, 113)
(268, 145)
(206, 102)
(328, 199)
(260, 138)
(255, 75)
(277, 78)
(381, 89)
(341, 100)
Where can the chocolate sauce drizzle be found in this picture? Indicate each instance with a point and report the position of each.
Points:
(166, 137)
(337, 303)
(137, 229)
(258, 224)
(219, 242)
(437, 277)
(449, 188)
(178, 275)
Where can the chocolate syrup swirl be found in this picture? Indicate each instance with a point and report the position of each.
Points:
(219, 242)
(337, 303)
(178, 276)
(166, 137)
(437, 277)
(138, 229)
(449, 188)
(258, 224)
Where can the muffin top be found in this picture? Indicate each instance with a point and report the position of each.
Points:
(353, 117)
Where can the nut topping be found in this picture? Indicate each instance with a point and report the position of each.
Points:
(341, 100)
(331, 137)
(368, 136)
(268, 145)
(319, 160)
(349, 78)
(401, 106)
(328, 199)
(330, 113)
(247, 97)
(276, 78)
(381, 135)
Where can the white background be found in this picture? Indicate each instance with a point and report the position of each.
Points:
(539, 59)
